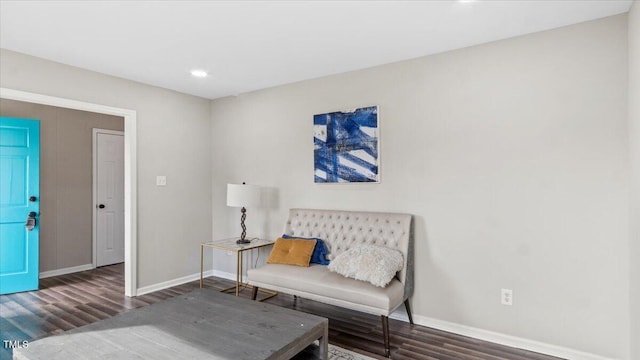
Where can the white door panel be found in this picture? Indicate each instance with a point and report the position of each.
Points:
(109, 197)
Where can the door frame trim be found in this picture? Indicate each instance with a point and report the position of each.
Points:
(94, 185)
(130, 170)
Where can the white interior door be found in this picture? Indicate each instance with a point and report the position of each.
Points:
(108, 197)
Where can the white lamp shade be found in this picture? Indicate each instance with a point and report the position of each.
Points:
(239, 195)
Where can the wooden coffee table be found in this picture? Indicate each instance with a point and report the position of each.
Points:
(203, 324)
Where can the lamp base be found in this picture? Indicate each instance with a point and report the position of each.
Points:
(243, 241)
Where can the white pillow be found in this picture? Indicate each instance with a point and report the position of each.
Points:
(371, 263)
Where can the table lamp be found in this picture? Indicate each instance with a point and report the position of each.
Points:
(243, 196)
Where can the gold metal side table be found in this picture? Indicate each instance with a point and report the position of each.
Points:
(231, 245)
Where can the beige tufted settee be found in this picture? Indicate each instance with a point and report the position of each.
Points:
(341, 230)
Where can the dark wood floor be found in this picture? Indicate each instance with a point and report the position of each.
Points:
(73, 300)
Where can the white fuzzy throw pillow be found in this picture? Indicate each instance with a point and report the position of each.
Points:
(371, 263)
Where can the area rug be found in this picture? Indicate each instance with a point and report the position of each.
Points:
(338, 353)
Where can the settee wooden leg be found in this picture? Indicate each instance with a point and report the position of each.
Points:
(408, 307)
(254, 293)
(385, 335)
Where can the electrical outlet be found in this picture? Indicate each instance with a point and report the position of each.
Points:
(506, 297)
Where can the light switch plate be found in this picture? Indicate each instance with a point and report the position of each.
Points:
(161, 180)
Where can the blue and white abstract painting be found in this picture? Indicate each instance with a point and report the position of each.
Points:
(346, 146)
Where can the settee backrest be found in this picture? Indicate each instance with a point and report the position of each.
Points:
(343, 229)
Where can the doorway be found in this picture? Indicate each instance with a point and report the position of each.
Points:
(130, 187)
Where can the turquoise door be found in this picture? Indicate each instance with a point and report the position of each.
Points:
(19, 204)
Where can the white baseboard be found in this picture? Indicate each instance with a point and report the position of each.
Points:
(175, 282)
(400, 314)
(183, 280)
(225, 275)
(69, 270)
(504, 339)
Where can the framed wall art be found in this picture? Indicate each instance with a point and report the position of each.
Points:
(346, 146)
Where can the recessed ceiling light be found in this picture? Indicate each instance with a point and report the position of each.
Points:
(199, 73)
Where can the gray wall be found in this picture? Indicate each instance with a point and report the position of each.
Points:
(66, 187)
(513, 157)
(634, 137)
(173, 139)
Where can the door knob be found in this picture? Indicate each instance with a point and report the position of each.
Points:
(32, 198)
(101, 206)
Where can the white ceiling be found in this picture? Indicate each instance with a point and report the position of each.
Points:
(250, 45)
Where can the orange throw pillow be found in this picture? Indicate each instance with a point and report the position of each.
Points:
(292, 252)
